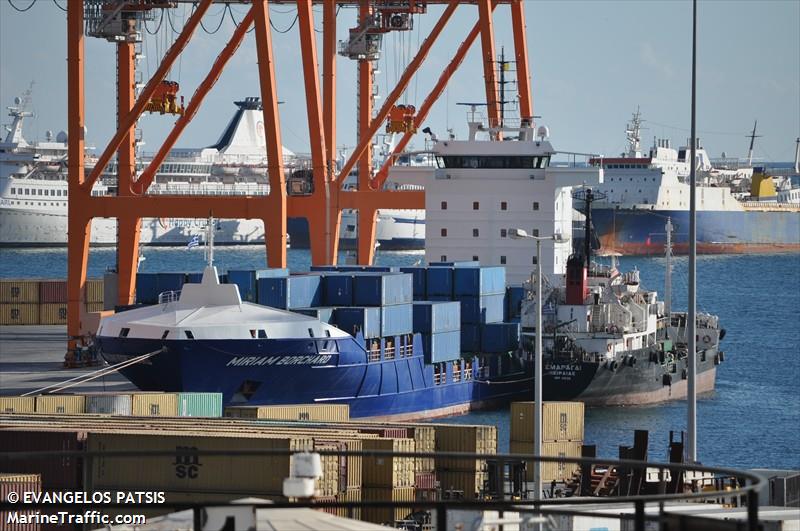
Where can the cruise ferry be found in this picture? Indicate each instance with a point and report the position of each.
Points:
(739, 209)
(33, 189)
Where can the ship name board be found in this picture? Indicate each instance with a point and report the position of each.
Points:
(563, 371)
(251, 361)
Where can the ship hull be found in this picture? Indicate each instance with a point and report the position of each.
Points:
(393, 232)
(625, 382)
(641, 232)
(286, 372)
(46, 227)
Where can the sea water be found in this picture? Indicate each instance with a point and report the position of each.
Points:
(751, 420)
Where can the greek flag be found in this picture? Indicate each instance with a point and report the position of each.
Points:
(194, 242)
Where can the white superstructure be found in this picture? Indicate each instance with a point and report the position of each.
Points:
(484, 186)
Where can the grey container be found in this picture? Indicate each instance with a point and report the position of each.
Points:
(432, 317)
(109, 404)
(382, 289)
(444, 346)
(397, 319)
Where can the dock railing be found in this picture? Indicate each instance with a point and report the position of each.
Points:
(482, 482)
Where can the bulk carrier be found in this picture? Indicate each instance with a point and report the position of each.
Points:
(355, 336)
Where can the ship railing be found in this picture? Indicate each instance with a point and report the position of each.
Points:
(374, 355)
(169, 296)
(456, 373)
(389, 352)
(468, 373)
(574, 159)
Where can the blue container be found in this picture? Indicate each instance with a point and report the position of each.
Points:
(439, 298)
(439, 282)
(324, 314)
(247, 280)
(484, 309)
(147, 288)
(465, 263)
(194, 278)
(418, 275)
(382, 289)
(514, 297)
(352, 320)
(324, 268)
(434, 317)
(442, 346)
(337, 289)
(499, 337)
(470, 338)
(397, 319)
(475, 281)
(149, 285)
(301, 291)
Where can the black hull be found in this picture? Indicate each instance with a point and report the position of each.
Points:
(636, 379)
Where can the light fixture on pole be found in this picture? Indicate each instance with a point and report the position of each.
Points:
(520, 234)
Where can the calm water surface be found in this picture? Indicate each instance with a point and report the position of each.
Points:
(752, 419)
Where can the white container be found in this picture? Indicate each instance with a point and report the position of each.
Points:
(109, 404)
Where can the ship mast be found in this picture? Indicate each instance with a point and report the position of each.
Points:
(752, 136)
(691, 323)
(668, 271)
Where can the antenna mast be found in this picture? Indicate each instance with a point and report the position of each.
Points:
(752, 136)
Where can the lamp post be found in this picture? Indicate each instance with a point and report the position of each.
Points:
(520, 234)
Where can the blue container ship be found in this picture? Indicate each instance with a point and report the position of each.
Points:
(390, 357)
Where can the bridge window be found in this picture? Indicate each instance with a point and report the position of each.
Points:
(475, 233)
(503, 233)
(262, 334)
(444, 233)
(444, 205)
(189, 334)
(124, 332)
(536, 205)
(503, 205)
(502, 260)
(443, 258)
(13, 190)
(475, 258)
(476, 205)
(165, 334)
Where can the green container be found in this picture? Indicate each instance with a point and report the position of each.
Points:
(199, 404)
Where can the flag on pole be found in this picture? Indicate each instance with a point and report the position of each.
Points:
(194, 242)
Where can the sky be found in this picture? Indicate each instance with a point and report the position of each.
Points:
(592, 63)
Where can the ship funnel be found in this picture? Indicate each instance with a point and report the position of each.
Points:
(245, 135)
(577, 282)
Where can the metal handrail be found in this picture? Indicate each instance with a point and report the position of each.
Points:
(750, 487)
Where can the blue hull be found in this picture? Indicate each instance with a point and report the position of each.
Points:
(255, 372)
(642, 232)
(297, 228)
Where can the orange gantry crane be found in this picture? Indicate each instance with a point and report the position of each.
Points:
(322, 205)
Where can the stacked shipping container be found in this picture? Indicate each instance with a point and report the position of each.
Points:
(32, 302)
(562, 436)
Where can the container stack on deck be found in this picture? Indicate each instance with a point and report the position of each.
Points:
(562, 436)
